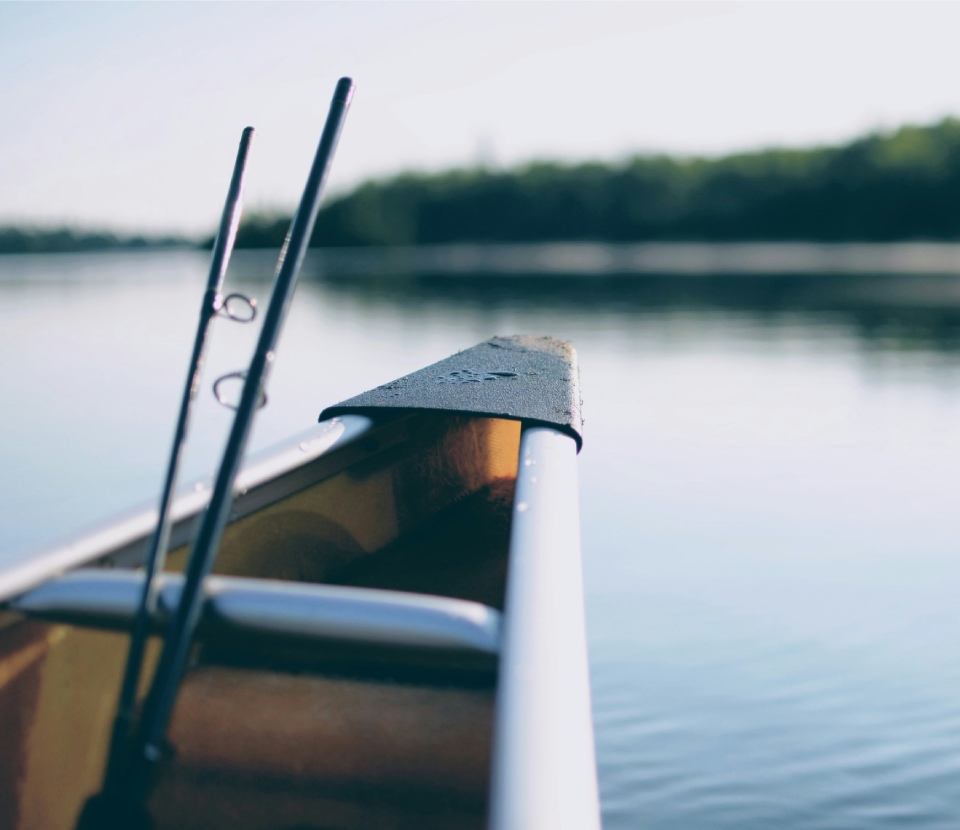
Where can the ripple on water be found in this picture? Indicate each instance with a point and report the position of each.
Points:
(808, 743)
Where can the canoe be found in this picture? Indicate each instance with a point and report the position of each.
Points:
(393, 636)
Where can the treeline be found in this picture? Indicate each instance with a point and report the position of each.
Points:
(15, 240)
(884, 187)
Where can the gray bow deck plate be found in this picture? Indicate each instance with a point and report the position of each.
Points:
(523, 378)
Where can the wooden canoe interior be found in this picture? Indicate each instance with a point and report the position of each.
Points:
(282, 741)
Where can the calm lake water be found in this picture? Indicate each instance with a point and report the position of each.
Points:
(769, 483)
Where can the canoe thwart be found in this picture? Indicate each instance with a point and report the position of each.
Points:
(523, 378)
(268, 608)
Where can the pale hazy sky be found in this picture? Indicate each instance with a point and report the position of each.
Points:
(127, 115)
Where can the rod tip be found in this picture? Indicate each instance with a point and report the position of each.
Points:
(344, 90)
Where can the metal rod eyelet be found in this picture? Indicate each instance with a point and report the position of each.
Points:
(237, 307)
(224, 401)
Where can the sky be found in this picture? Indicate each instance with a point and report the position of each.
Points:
(126, 116)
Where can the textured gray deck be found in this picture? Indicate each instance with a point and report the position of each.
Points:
(523, 378)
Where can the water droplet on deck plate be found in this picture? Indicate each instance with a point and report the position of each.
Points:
(521, 507)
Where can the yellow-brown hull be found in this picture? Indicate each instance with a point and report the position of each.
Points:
(268, 737)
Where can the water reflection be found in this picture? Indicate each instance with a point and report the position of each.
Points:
(883, 303)
(884, 311)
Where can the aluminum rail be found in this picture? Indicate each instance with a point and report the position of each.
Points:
(265, 477)
(276, 610)
(544, 768)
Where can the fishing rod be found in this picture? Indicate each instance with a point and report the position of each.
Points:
(149, 746)
(212, 305)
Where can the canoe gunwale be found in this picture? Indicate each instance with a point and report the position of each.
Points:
(543, 770)
(268, 476)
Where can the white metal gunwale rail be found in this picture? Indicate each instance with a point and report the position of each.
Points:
(544, 771)
(267, 476)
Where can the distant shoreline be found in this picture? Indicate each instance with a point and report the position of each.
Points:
(884, 188)
(887, 187)
(65, 240)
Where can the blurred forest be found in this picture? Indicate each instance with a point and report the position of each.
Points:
(903, 185)
(16, 240)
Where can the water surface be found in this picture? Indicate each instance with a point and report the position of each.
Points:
(769, 481)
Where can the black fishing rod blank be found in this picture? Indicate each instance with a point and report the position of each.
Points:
(150, 743)
(241, 309)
